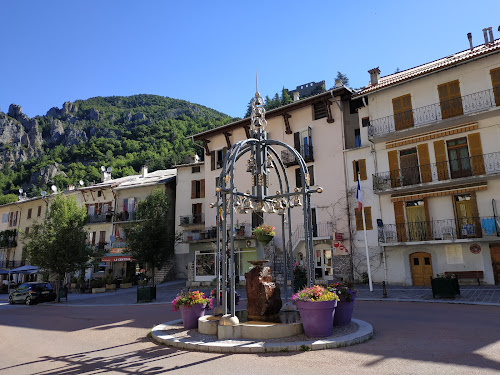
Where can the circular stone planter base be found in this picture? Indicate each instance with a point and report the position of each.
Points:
(173, 334)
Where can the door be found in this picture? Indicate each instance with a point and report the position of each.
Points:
(416, 219)
(458, 155)
(495, 261)
(409, 167)
(465, 216)
(421, 269)
(324, 266)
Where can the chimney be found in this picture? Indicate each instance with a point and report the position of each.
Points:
(374, 75)
(339, 83)
(144, 171)
(296, 96)
(487, 31)
(469, 36)
(71, 187)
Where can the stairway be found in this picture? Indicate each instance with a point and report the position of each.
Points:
(166, 273)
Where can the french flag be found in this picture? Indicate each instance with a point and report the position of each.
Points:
(359, 196)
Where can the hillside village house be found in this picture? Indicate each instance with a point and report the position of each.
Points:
(317, 126)
(430, 138)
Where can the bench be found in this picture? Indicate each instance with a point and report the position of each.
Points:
(478, 275)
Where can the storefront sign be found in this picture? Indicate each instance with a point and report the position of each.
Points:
(117, 259)
(339, 236)
(475, 248)
(336, 244)
(116, 250)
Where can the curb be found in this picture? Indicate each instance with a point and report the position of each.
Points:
(364, 333)
(429, 301)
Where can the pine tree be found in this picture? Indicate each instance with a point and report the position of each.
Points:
(285, 97)
(343, 77)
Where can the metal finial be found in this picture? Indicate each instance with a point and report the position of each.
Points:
(258, 114)
(257, 84)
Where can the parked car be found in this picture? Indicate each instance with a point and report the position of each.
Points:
(32, 293)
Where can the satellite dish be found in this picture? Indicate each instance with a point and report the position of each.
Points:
(81, 182)
(44, 193)
(21, 191)
(109, 170)
(103, 168)
(53, 188)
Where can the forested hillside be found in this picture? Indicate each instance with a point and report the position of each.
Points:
(70, 144)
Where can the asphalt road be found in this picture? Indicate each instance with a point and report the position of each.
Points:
(410, 338)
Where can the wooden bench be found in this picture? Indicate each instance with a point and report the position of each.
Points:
(478, 275)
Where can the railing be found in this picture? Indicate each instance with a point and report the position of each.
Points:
(124, 216)
(119, 244)
(242, 231)
(476, 102)
(91, 219)
(319, 230)
(192, 219)
(289, 159)
(442, 171)
(440, 230)
(10, 264)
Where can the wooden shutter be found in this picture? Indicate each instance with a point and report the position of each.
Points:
(495, 81)
(403, 112)
(424, 162)
(399, 214)
(202, 188)
(476, 153)
(475, 214)
(362, 169)
(428, 226)
(355, 169)
(296, 141)
(310, 170)
(450, 99)
(394, 168)
(359, 218)
(441, 162)
(212, 160)
(193, 189)
(298, 180)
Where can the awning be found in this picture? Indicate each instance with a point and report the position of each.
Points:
(25, 269)
(117, 259)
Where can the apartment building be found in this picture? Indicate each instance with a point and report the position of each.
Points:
(317, 127)
(431, 152)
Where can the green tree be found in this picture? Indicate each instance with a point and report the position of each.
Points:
(285, 97)
(343, 77)
(149, 239)
(8, 198)
(59, 244)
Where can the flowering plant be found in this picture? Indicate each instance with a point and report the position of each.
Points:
(264, 230)
(190, 299)
(342, 289)
(315, 293)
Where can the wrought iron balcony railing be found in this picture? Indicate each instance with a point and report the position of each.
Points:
(124, 216)
(324, 229)
(242, 231)
(192, 219)
(443, 171)
(305, 151)
(476, 102)
(440, 230)
(102, 218)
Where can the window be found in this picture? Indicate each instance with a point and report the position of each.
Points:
(458, 155)
(365, 122)
(466, 214)
(93, 238)
(495, 81)
(217, 182)
(450, 99)
(195, 169)
(403, 112)
(99, 193)
(29, 213)
(359, 218)
(102, 238)
(320, 110)
(302, 142)
(298, 180)
(359, 166)
(257, 219)
(197, 215)
(39, 211)
(217, 158)
(409, 170)
(198, 189)
(27, 230)
(5, 218)
(357, 137)
(12, 219)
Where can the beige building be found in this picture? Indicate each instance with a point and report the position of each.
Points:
(316, 126)
(431, 152)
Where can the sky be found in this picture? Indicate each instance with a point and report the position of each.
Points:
(208, 52)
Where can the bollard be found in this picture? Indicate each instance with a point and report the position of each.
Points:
(384, 290)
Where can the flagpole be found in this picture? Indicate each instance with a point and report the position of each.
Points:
(366, 245)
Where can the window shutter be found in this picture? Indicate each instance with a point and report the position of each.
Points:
(359, 219)
(424, 162)
(355, 170)
(441, 163)
(394, 168)
(296, 141)
(309, 136)
(476, 154)
(399, 214)
(298, 181)
(202, 188)
(212, 160)
(368, 218)
(362, 169)
(310, 170)
(450, 99)
(403, 112)
(495, 81)
(193, 189)
(427, 220)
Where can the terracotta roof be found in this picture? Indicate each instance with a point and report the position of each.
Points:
(434, 66)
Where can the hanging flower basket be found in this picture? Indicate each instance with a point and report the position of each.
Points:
(264, 233)
(264, 239)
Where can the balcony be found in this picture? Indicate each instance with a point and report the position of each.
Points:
(103, 218)
(122, 244)
(289, 159)
(320, 231)
(209, 234)
(452, 170)
(124, 216)
(472, 103)
(195, 219)
(439, 230)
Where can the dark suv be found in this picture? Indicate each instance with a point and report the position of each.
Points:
(32, 293)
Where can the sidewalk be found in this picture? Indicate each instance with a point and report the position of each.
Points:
(166, 292)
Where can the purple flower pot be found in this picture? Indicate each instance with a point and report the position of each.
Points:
(190, 315)
(317, 317)
(343, 311)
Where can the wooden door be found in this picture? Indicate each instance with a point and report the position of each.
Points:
(421, 269)
(458, 155)
(495, 261)
(465, 218)
(417, 223)
(409, 167)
